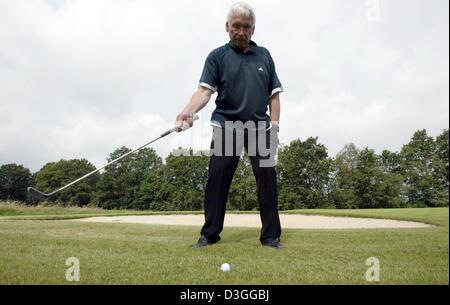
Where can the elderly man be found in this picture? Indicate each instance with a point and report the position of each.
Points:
(243, 74)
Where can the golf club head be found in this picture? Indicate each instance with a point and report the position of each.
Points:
(37, 194)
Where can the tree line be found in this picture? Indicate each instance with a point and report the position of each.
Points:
(417, 176)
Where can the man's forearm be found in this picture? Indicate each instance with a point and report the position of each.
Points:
(275, 109)
(198, 100)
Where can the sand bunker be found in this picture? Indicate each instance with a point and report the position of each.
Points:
(253, 221)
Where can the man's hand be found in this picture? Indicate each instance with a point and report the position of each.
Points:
(275, 110)
(276, 125)
(199, 99)
(184, 121)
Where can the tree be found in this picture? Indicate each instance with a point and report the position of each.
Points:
(391, 168)
(390, 162)
(442, 152)
(342, 186)
(185, 179)
(57, 174)
(303, 170)
(421, 167)
(373, 187)
(14, 180)
(119, 185)
(154, 192)
(243, 190)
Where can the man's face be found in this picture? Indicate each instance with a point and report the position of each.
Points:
(241, 30)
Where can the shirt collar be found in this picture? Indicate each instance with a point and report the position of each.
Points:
(252, 46)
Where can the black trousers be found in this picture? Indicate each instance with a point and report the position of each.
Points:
(222, 166)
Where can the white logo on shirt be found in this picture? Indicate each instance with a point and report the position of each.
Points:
(261, 69)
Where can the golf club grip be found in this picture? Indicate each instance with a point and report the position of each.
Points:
(182, 128)
(186, 126)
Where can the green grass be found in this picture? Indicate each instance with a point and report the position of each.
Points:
(434, 216)
(16, 211)
(35, 251)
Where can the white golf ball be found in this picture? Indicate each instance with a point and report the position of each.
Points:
(225, 267)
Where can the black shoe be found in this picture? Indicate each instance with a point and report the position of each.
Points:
(204, 241)
(272, 242)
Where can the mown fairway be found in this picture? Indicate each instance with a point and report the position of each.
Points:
(35, 251)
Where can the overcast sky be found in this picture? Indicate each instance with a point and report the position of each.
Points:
(79, 79)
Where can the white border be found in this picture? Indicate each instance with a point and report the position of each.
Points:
(276, 90)
(208, 86)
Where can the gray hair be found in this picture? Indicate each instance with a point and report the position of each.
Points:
(243, 9)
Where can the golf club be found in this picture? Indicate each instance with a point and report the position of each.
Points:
(41, 195)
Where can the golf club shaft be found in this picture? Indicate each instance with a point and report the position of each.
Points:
(99, 169)
(176, 128)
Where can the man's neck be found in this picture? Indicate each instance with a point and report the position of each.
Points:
(246, 49)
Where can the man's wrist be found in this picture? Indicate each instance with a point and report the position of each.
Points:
(276, 124)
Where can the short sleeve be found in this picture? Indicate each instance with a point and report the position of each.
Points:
(210, 73)
(275, 84)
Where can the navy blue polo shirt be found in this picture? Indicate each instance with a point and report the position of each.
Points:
(244, 83)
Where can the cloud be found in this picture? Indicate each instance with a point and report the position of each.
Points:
(82, 78)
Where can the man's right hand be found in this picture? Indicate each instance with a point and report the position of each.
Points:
(199, 99)
(184, 120)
